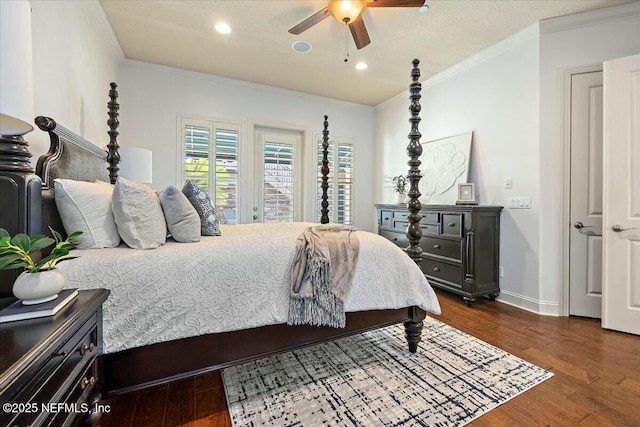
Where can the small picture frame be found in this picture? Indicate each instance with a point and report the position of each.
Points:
(466, 194)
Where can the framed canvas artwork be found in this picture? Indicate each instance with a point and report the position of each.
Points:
(445, 164)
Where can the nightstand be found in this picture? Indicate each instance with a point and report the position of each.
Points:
(52, 363)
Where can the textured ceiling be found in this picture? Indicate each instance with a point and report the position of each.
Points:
(180, 34)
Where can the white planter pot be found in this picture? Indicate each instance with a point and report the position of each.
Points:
(36, 288)
(401, 198)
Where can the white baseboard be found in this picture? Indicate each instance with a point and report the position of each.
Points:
(544, 308)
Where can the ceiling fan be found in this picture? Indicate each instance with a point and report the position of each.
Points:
(349, 12)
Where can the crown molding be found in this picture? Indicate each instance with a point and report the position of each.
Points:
(591, 17)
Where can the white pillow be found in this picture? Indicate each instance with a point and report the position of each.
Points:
(138, 214)
(86, 206)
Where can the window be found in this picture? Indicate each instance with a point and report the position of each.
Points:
(340, 192)
(211, 160)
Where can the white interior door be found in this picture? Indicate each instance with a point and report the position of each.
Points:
(621, 293)
(585, 239)
(278, 176)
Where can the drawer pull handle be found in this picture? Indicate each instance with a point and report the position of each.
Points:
(386, 219)
(87, 347)
(436, 246)
(61, 353)
(87, 381)
(436, 268)
(452, 224)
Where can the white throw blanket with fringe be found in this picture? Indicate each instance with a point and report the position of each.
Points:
(321, 275)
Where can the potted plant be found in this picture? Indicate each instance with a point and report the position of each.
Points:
(400, 188)
(41, 281)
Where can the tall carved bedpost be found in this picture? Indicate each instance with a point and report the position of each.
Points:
(413, 328)
(20, 189)
(112, 147)
(324, 219)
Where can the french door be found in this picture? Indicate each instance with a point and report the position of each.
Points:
(278, 175)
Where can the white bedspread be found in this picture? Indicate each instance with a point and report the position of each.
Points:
(235, 281)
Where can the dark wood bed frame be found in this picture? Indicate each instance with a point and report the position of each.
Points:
(73, 157)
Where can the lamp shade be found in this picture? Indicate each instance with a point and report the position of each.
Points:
(10, 126)
(136, 164)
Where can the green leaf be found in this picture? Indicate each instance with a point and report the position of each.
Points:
(74, 235)
(12, 261)
(22, 241)
(58, 261)
(5, 241)
(41, 243)
(4, 233)
(56, 235)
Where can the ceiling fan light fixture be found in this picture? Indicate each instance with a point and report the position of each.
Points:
(222, 28)
(346, 11)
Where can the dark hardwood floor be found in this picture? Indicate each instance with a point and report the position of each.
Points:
(596, 382)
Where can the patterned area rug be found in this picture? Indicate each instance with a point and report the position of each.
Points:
(371, 379)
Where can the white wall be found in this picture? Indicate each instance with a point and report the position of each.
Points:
(152, 96)
(494, 94)
(574, 41)
(75, 57)
(16, 60)
(511, 96)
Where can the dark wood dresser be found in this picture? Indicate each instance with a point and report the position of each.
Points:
(50, 372)
(461, 245)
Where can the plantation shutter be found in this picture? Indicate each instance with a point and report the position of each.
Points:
(278, 179)
(214, 166)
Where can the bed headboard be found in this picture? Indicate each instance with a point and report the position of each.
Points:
(71, 156)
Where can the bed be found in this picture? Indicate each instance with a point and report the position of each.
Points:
(145, 348)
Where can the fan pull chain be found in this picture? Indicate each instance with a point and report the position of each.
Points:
(346, 41)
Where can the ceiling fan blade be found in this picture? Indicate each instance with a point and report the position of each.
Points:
(395, 3)
(359, 32)
(310, 21)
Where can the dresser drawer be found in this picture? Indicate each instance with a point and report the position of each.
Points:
(386, 218)
(441, 247)
(430, 229)
(452, 274)
(452, 224)
(78, 394)
(430, 217)
(401, 226)
(396, 237)
(400, 215)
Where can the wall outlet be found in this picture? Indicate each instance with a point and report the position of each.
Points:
(508, 183)
(500, 272)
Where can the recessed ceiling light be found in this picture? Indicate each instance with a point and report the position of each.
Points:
(301, 46)
(423, 8)
(222, 28)
(362, 66)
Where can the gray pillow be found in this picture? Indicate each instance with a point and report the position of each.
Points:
(202, 202)
(182, 218)
(138, 214)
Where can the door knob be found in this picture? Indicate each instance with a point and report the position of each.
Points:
(618, 228)
(580, 225)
